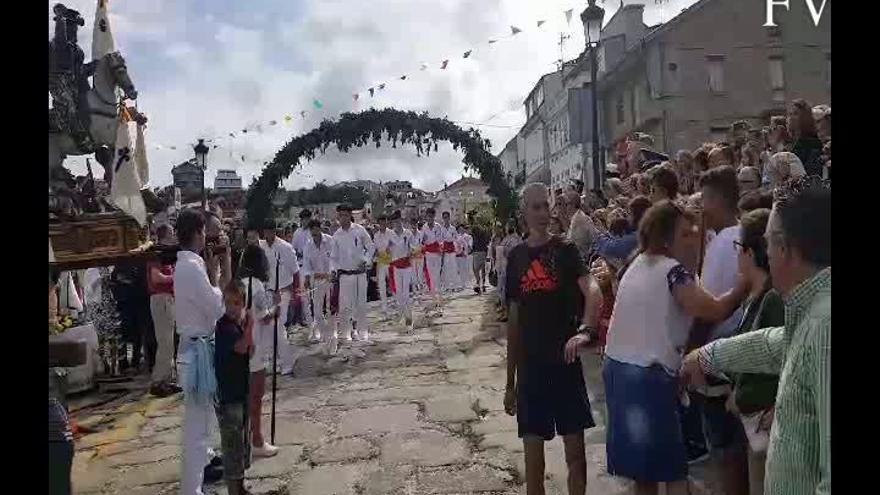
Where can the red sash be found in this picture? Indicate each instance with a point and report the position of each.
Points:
(401, 263)
(448, 247)
(433, 247)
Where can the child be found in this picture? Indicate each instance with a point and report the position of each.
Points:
(233, 346)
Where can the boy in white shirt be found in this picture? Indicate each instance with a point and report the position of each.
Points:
(400, 246)
(351, 252)
(432, 236)
(383, 260)
(463, 256)
(316, 270)
(449, 270)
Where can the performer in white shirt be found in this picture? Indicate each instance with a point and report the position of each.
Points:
(432, 234)
(463, 256)
(279, 252)
(449, 269)
(383, 260)
(300, 238)
(351, 254)
(198, 304)
(316, 270)
(400, 246)
(417, 257)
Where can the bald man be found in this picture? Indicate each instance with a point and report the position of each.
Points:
(581, 230)
(547, 287)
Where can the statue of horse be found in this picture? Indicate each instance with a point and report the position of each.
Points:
(103, 100)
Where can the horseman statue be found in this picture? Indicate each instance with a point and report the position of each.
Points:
(83, 117)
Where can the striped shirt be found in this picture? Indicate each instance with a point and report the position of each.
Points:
(799, 456)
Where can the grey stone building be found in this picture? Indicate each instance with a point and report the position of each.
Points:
(686, 81)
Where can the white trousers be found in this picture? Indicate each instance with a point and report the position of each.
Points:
(463, 270)
(402, 281)
(285, 351)
(418, 276)
(382, 284)
(320, 297)
(304, 300)
(449, 272)
(199, 419)
(162, 310)
(353, 304)
(433, 261)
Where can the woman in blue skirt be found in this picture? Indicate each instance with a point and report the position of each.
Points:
(657, 300)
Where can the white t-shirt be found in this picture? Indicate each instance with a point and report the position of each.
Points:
(720, 269)
(647, 325)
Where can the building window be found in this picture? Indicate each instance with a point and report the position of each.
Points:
(777, 73)
(621, 117)
(715, 68)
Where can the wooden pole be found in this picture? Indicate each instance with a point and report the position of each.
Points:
(275, 352)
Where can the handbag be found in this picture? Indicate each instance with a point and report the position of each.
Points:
(493, 278)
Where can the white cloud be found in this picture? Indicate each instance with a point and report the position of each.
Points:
(204, 68)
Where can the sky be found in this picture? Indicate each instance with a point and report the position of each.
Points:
(210, 67)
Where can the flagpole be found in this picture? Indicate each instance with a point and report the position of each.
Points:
(275, 352)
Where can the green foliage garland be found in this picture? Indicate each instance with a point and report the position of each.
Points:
(359, 129)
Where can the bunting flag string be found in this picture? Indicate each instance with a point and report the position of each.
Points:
(318, 104)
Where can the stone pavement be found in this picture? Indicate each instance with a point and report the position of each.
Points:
(416, 413)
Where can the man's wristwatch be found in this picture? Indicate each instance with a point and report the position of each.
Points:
(587, 331)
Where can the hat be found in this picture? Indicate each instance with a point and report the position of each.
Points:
(305, 213)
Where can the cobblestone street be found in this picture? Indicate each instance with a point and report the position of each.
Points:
(413, 414)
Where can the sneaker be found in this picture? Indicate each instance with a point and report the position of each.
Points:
(266, 450)
(287, 372)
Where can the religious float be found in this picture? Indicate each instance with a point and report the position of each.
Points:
(93, 222)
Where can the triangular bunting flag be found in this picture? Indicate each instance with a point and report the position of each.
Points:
(371, 90)
(303, 114)
(568, 15)
(540, 23)
(273, 122)
(355, 96)
(125, 191)
(317, 104)
(467, 53)
(244, 131)
(232, 134)
(444, 64)
(492, 41)
(287, 119)
(403, 78)
(173, 147)
(423, 67)
(515, 30)
(381, 86)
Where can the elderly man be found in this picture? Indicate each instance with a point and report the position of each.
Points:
(799, 252)
(581, 230)
(547, 288)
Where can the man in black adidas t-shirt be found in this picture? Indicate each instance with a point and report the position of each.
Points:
(547, 290)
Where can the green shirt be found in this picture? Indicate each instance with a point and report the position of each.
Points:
(799, 455)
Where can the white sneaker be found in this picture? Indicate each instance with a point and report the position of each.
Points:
(286, 372)
(348, 337)
(267, 450)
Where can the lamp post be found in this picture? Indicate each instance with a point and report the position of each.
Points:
(592, 18)
(201, 152)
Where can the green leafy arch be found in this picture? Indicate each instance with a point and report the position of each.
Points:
(359, 129)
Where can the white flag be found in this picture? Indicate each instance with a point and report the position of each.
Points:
(140, 157)
(125, 191)
(102, 37)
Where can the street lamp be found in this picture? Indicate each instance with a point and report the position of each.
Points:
(592, 18)
(201, 152)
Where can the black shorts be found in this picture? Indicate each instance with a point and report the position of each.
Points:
(552, 398)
